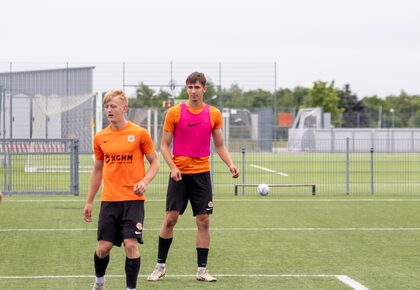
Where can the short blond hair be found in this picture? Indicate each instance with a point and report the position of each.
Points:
(116, 93)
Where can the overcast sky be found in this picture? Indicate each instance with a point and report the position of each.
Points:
(372, 44)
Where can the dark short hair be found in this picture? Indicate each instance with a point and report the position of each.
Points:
(196, 77)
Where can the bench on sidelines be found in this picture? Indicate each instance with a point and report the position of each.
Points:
(277, 185)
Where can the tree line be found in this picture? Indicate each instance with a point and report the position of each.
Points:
(347, 110)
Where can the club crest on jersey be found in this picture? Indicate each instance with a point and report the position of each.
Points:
(139, 226)
(210, 204)
(131, 138)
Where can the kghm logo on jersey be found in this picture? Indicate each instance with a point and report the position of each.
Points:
(119, 158)
(131, 138)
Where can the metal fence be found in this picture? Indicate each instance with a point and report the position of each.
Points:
(347, 172)
(365, 172)
(258, 144)
(39, 166)
(20, 82)
(54, 166)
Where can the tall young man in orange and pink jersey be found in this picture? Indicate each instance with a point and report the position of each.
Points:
(189, 128)
(119, 150)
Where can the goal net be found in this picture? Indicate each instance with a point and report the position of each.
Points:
(301, 135)
(58, 117)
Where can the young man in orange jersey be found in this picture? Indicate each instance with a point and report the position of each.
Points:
(119, 150)
(189, 127)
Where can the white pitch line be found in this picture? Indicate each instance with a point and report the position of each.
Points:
(239, 199)
(232, 229)
(46, 200)
(269, 170)
(350, 282)
(315, 199)
(343, 278)
(174, 276)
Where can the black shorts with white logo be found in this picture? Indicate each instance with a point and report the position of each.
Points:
(195, 188)
(120, 220)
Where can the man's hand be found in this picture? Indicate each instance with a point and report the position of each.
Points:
(140, 187)
(87, 212)
(234, 171)
(176, 174)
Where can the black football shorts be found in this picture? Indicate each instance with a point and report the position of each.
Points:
(195, 188)
(120, 220)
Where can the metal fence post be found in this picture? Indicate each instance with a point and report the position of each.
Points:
(243, 169)
(371, 172)
(11, 90)
(3, 130)
(347, 166)
(9, 171)
(275, 113)
(74, 164)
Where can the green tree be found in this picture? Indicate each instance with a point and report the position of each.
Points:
(354, 111)
(232, 97)
(324, 95)
(301, 95)
(404, 106)
(288, 100)
(285, 98)
(414, 121)
(211, 97)
(256, 99)
(374, 106)
(401, 108)
(145, 97)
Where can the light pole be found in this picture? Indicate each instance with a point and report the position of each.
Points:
(393, 117)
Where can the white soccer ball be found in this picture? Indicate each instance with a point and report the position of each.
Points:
(263, 189)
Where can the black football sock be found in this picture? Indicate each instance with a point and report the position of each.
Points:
(132, 269)
(100, 265)
(163, 249)
(202, 255)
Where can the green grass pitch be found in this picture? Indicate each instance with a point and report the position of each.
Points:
(273, 242)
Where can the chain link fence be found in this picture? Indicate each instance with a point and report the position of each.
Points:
(257, 141)
(39, 166)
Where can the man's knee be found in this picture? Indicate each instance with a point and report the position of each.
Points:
(203, 221)
(103, 250)
(171, 220)
(131, 249)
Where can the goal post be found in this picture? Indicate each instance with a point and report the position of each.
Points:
(59, 117)
(313, 186)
